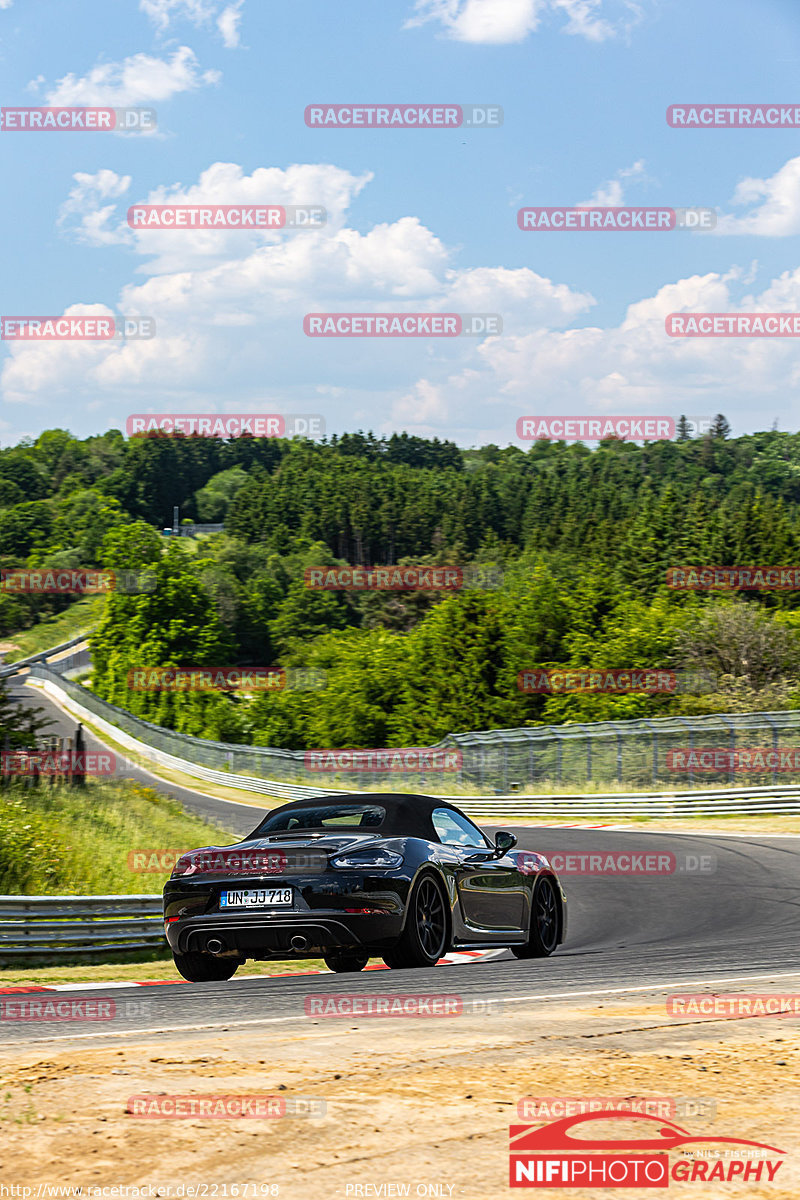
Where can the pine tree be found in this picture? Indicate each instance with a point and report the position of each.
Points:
(19, 725)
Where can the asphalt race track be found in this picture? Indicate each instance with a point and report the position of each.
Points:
(728, 913)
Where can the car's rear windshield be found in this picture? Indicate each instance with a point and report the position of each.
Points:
(326, 816)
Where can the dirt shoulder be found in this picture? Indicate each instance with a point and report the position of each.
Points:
(409, 1102)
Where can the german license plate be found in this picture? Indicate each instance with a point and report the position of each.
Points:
(257, 898)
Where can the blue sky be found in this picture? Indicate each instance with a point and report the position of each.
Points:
(420, 220)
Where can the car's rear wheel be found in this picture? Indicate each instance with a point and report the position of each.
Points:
(201, 968)
(424, 939)
(543, 935)
(344, 961)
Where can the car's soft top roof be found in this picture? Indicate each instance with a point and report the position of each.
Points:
(406, 815)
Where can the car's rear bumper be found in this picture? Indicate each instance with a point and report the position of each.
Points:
(349, 910)
(260, 935)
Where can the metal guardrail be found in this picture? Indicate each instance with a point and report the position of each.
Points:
(152, 745)
(618, 806)
(567, 758)
(61, 926)
(8, 669)
(512, 806)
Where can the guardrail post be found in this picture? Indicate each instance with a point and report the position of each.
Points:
(79, 774)
(774, 745)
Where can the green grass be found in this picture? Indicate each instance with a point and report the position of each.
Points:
(79, 617)
(72, 841)
(158, 967)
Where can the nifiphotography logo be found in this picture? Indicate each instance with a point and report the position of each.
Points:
(553, 1156)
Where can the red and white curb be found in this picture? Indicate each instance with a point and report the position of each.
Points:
(455, 958)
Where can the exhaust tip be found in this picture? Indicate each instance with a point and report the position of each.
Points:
(214, 946)
(298, 942)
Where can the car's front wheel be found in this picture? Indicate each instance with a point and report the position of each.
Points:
(201, 968)
(344, 961)
(543, 935)
(424, 939)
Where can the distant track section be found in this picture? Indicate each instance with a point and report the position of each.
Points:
(719, 801)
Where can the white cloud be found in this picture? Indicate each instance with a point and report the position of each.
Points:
(169, 252)
(504, 21)
(83, 216)
(229, 317)
(584, 19)
(778, 214)
(225, 15)
(228, 24)
(6, 3)
(141, 79)
(632, 368)
(611, 193)
(497, 21)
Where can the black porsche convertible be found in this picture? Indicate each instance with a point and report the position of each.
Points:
(401, 877)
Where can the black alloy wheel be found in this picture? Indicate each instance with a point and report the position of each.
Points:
(202, 968)
(543, 936)
(424, 939)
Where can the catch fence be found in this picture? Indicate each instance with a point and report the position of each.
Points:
(665, 752)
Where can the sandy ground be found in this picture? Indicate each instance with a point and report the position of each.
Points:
(423, 1104)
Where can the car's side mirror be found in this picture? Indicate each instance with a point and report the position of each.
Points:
(503, 842)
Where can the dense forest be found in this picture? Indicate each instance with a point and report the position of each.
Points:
(578, 541)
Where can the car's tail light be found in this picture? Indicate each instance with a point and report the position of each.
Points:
(191, 863)
(230, 860)
(366, 859)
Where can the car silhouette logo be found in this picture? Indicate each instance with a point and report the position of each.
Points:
(556, 1136)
